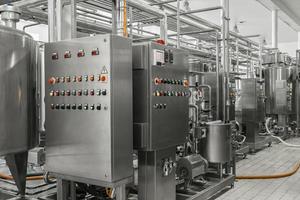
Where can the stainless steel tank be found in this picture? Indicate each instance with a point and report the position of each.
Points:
(280, 83)
(17, 97)
(217, 144)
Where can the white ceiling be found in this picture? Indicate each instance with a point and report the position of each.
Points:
(256, 18)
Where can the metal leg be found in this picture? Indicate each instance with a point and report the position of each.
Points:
(73, 190)
(121, 192)
(62, 189)
(17, 164)
(221, 171)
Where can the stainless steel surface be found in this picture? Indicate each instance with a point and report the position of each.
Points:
(152, 185)
(211, 189)
(10, 15)
(156, 126)
(97, 137)
(253, 110)
(280, 89)
(17, 99)
(217, 144)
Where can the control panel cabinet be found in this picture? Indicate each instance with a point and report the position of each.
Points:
(161, 93)
(89, 109)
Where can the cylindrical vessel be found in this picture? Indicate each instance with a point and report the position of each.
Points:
(280, 83)
(17, 97)
(217, 144)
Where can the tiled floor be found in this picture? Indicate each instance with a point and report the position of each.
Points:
(275, 159)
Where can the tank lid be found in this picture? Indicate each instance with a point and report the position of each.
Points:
(10, 8)
(10, 15)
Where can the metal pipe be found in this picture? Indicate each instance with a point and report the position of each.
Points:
(163, 2)
(73, 19)
(51, 21)
(218, 76)
(275, 28)
(30, 25)
(197, 11)
(225, 57)
(178, 24)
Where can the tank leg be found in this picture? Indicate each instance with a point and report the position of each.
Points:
(17, 164)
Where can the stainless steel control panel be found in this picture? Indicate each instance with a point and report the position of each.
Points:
(161, 93)
(89, 108)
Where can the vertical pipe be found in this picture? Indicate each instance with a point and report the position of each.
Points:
(218, 75)
(164, 28)
(114, 16)
(73, 19)
(117, 17)
(51, 21)
(178, 24)
(237, 51)
(298, 40)
(130, 21)
(59, 19)
(275, 28)
(225, 55)
(298, 92)
(261, 43)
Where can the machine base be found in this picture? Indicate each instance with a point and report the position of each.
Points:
(255, 146)
(210, 189)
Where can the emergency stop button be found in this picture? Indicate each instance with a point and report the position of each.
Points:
(52, 81)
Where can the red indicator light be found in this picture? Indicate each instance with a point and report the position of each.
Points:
(95, 52)
(81, 53)
(67, 54)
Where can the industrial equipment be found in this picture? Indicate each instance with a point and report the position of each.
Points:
(253, 113)
(17, 102)
(89, 110)
(161, 93)
(280, 88)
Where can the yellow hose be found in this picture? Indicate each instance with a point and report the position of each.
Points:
(125, 31)
(30, 178)
(274, 176)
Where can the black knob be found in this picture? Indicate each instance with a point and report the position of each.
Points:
(68, 106)
(86, 92)
(79, 107)
(74, 106)
(74, 92)
(62, 106)
(93, 107)
(104, 92)
(57, 106)
(52, 106)
(86, 107)
(99, 107)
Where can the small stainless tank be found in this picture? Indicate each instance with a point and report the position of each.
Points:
(217, 144)
(17, 83)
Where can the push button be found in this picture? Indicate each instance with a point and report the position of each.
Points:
(68, 106)
(79, 107)
(99, 107)
(86, 107)
(104, 92)
(73, 106)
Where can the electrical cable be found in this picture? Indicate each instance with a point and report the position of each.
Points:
(273, 176)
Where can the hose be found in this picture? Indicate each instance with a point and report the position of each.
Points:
(274, 176)
(276, 137)
(29, 178)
